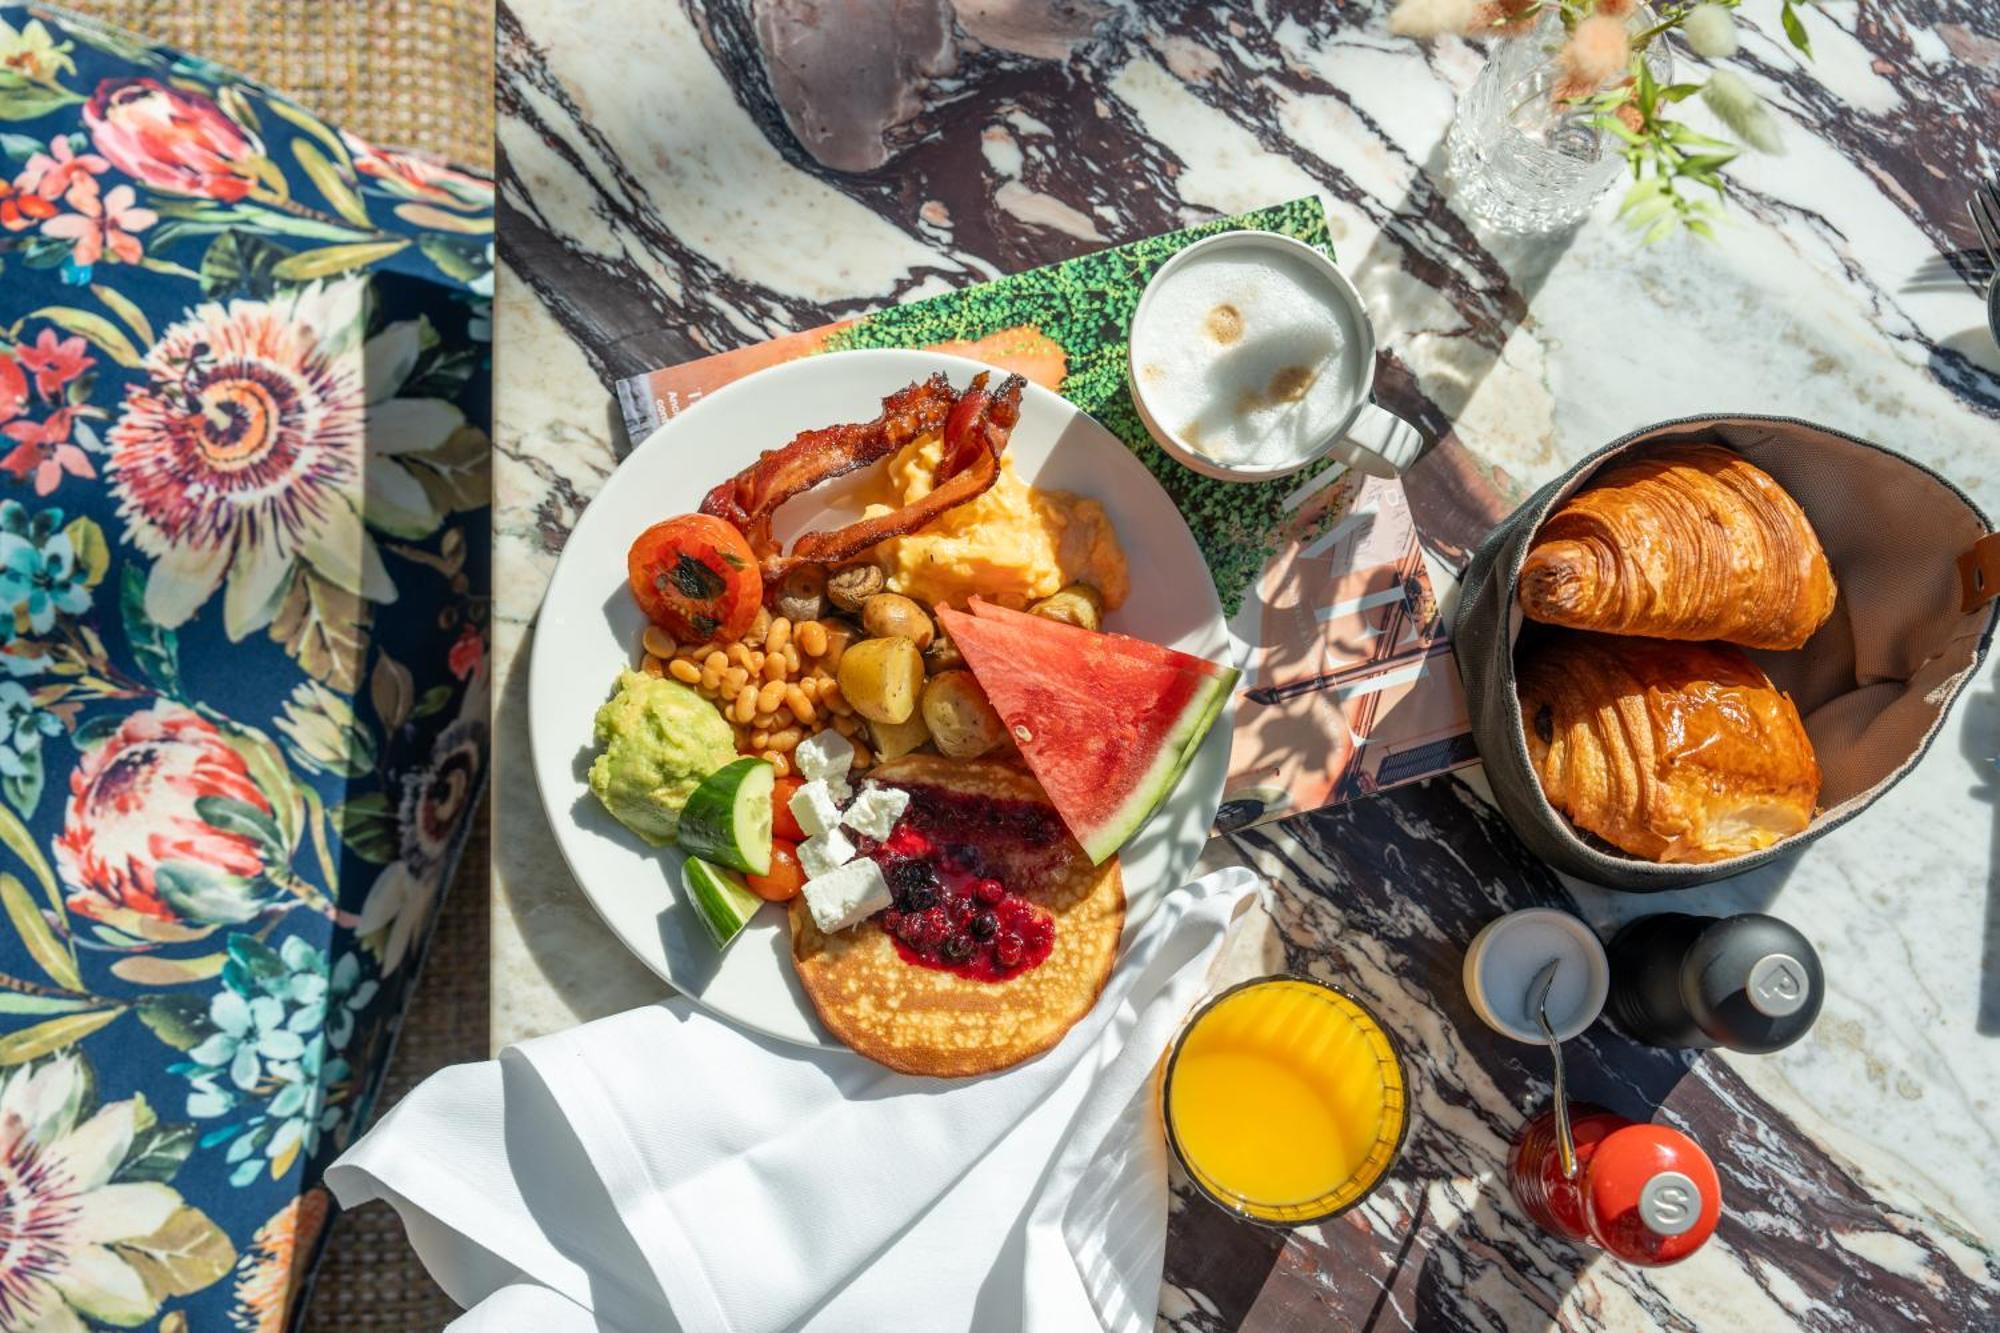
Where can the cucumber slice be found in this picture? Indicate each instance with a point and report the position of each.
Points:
(720, 898)
(727, 819)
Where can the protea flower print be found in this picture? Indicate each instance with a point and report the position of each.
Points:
(417, 177)
(71, 1230)
(244, 457)
(271, 1275)
(175, 141)
(134, 843)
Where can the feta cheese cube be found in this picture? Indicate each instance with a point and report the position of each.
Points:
(825, 757)
(825, 854)
(875, 811)
(816, 807)
(847, 896)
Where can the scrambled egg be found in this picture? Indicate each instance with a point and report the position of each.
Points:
(1013, 545)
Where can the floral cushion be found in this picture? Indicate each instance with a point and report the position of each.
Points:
(244, 389)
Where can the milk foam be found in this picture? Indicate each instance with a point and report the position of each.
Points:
(1246, 358)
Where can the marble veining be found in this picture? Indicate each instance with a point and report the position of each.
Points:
(655, 206)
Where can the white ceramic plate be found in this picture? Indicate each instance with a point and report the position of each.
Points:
(589, 630)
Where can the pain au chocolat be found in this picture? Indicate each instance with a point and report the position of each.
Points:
(1676, 752)
(1688, 542)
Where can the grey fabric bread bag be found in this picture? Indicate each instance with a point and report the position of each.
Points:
(1915, 614)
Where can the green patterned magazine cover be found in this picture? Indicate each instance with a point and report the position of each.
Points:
(1349, 684)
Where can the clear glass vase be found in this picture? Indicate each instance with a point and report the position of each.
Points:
(1519, 160)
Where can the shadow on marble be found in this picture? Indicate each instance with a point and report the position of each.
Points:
(1456, 499)
(1980, 745)
(556, 926)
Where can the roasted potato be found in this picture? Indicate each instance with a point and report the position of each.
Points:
(889, 615)
(893, 740)
(848, 588)
(961, 720)
(802, 594)
(882, 678)
(1079, 604)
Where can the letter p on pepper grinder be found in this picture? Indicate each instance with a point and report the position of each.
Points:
(1748, 983)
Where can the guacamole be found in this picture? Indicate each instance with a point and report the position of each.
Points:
(657, 739)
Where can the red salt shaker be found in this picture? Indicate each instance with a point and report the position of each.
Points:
(1644, 1193)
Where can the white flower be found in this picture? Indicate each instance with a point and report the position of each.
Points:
(69, 1229)
(267, 437)
(1711, 31)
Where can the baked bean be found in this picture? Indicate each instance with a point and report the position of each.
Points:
(812, 638)
(780, 634)
(774, 666)
(760, 739)
(653, 666)
(764, 721)
(779, 762)
(746, 703)
(770, 696)
(717, 661)
(786, 740)
(684, 671)
(658, 642)
(802, 707)
(737, 654)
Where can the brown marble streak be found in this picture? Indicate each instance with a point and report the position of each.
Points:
(1410, 877)
(1927, 149)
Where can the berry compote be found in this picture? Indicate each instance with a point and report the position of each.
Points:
(949, 913)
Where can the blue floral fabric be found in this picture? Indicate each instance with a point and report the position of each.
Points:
(244, 394)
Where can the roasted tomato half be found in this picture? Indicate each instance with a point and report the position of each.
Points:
(696, 578)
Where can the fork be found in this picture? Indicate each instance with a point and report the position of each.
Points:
(1984, 205)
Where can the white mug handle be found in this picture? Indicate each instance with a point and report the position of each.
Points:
(1378, 442)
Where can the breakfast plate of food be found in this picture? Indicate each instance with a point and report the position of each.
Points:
(875, 700)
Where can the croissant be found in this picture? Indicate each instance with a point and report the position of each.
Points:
(1675, 752)
(1683, 542)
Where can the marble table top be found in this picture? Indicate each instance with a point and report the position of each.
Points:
(655, 207)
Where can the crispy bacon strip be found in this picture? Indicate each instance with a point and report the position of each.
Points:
(975, 435)
(750, 497)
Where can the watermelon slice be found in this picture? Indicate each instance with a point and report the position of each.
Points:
(1107, 723)
(1152, 652)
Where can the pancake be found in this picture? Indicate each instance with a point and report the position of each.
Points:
(926, 1020)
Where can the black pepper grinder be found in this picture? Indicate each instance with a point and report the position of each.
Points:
(1749, 983)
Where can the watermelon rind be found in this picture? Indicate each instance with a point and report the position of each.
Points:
(1196, 697)
(1177, 751)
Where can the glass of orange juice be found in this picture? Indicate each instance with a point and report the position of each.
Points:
(1284, 1100)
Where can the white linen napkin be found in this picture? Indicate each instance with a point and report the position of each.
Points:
(661, 1169)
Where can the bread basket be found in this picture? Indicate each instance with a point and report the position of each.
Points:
(1918, 572)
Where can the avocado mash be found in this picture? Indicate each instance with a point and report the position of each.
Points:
(657, 739)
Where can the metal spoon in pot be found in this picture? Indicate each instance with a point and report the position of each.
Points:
(1538, 1005)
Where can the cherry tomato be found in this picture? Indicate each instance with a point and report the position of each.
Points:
(783, 822)
(696, 578)
(786, 877)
